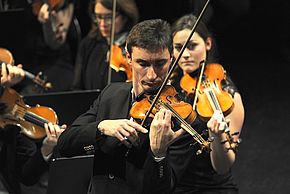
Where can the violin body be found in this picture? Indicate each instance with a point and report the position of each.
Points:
(182, 113)
(139, 109)
(30, 119)
(211, 96)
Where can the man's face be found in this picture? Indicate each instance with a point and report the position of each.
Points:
(149, 68)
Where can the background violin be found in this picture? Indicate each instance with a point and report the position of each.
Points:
(210, 95)
(183, 113)
(6, 57)
(53, 5)
(119, 62)
(31, 120)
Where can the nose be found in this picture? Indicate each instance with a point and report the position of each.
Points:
(186, 53)
(151, 74)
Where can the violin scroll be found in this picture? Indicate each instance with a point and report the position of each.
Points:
(7, 58)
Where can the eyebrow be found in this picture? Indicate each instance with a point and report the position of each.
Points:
(152, 61)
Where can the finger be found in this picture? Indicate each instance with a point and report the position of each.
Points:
(123, 132)
(58, 130)
(4, 70)
(178, 133)
(132, 132)
(52, 130)
(9, 70)
(228, 121)
(167, 116)
(138, 127)
(47, 130)
(123, 140)
(63, 126)
(161, 114)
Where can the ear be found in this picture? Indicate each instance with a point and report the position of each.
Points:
(208, 43)
(128, 58)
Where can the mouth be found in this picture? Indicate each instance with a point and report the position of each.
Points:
(151, 85)
(187, 62)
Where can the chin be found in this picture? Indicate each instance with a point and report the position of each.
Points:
(189, 69)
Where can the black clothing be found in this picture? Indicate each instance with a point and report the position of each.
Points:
(20, 160)
(113, 171)
(91, 68)
(55, 64)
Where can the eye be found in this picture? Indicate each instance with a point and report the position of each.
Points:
(178, 47)
(143, 63)
(191, 46)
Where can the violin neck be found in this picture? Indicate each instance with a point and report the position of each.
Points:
(35, 119)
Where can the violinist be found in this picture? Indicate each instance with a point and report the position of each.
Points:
(107, 130)
(47, 47)
(92, 62)
(207, 172)
(22, 159)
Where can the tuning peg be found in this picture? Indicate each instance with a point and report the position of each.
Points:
(198, 152)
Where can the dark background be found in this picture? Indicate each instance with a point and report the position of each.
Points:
(255, 50)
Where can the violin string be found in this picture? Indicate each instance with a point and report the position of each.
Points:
(215, 104)
(198, 85)
(181, 120)
(30, 116)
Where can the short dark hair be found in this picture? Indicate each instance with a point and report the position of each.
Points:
(152, 35)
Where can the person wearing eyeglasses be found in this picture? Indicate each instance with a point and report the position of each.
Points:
(92, 60)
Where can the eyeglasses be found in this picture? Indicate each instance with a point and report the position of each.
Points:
(106, 17)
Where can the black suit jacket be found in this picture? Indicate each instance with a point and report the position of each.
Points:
(117, 169)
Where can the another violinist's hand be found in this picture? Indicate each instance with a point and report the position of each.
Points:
(161, 134)
(122, 129)
(216, 124)
(53, 131)
(11, 75)
(43, 14)
(60, 25)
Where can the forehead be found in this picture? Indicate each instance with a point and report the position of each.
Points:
(100, 9)
(144, 54)
(183, 35)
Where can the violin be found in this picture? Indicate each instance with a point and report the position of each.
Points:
(31, 120)
(183, 113)
(119, 62)
(210, 96)
(7, 58)
(53, 5)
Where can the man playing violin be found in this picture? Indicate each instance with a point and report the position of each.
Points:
(128, 158)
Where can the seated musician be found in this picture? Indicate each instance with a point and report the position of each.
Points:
(22, 159)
